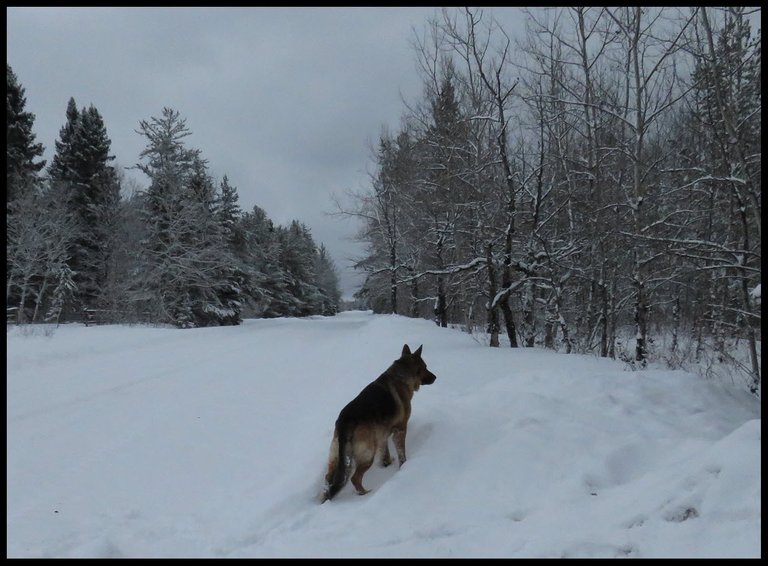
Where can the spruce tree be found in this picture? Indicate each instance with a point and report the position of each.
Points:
(22, 192)
(61, 164)
(186, 266)
(327, 282)
(82, 177)
(298, 263)
(216, 297)
(227, 213)
(21, 149)
(266, 286)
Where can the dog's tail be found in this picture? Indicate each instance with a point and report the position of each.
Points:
(340, 459)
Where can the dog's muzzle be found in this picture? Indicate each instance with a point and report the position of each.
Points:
(429, 378)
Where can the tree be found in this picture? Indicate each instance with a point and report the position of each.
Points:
(498, 93)
(297, 260)
(725, 162)
(327, 282)
(22, 189)
(444, 152)
(38, 242)
(82, 177)
(61, 165)
(186, 265)
(602, 179)
(266, 288)
(386, 214)
(226, 214)
(21, 149)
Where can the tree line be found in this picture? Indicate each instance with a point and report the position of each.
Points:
(179, 252)
(593, 186)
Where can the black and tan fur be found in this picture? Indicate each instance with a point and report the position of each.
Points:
(365, 424)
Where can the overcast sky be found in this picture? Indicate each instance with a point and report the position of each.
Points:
(284, 101)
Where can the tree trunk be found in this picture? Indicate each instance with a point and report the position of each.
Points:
(415, 298)
(529, 302)
(441, 309)
(441, 312)
(641, 323)
(675, 323)
(493, 313)
(604, 333)
(39, 298)
(562, 323)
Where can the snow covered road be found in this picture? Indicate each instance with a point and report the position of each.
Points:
(154, 442)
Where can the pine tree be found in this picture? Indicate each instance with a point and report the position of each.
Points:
(61, 165)
(81, 175)
(298, 263)
(327, 282)
(266, 286)
(21, 149)
(444, 148)
(227, 213)
(22, 191)
(186, 267)
(220, 302)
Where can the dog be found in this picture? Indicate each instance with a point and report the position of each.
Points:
(364, 426)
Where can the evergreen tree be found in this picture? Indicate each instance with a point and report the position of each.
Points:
(21, 149)
(327, 282)
(444, 147)
(266, 285)
(22, 191)
(227, 213)
(187, 266)
(298, 264)
(220, 302)
(82, 177)
(61, 165)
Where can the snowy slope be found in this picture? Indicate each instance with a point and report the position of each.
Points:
(153, 442)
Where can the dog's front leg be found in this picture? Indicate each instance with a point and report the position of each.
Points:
(399, 437)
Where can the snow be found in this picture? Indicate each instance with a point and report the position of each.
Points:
(131, 441)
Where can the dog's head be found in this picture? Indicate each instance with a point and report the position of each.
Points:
(416, 366)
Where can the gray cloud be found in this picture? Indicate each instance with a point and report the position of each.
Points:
(283, 100)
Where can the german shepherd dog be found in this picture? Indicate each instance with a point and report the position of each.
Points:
(365, 424)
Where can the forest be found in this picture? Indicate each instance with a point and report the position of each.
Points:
(180, 252)
(591, 187)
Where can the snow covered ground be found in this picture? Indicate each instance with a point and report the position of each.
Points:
(153, 442)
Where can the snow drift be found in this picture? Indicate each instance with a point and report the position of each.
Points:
(155, 442)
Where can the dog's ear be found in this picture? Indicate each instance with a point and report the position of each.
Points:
(406, 351)
(417, 353)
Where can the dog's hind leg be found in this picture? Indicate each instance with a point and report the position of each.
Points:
(364, 450)
(383, 448)
(357, 477)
